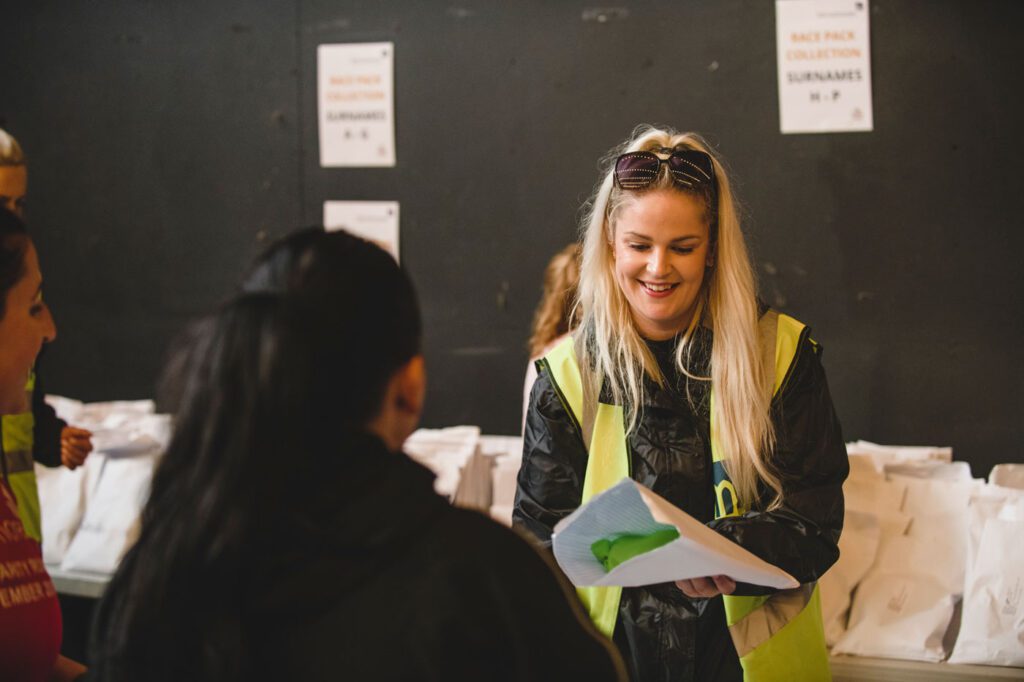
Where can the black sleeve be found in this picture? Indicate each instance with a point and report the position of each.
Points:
(46, 434)
(801, 537)
(540, 620)
(550, 482)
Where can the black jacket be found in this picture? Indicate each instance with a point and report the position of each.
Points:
(47, 429)
(662, 633)
(393, 583)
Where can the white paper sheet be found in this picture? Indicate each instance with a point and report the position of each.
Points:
(824, 63)
(629, 507)
(373, 220)
(356, 104)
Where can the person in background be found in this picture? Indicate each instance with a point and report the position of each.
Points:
(37, 434)
(30, 619)
(553, 317)
(708, 398)
(286, 536)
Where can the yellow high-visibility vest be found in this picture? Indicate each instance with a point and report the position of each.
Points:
(17, 436)
(778, 637)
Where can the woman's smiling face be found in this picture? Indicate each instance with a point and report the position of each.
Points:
(661, 251)
(24, 328)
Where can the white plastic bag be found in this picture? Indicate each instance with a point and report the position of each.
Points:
(903, 608)
(111, 521)
(948, 471)
(900, 611)
(992, 626)
(1007, 476)
(445, 452)
(891, 454)
(858, 546)
(63, 497)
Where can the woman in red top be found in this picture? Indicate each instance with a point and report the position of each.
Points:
(30, 622)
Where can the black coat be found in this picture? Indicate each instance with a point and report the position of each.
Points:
(662, 634)
(47, 430)
(393, 583)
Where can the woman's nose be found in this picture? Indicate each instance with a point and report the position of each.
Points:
(49, 326)
(657, 263)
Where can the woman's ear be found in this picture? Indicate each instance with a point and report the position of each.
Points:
(412, 386)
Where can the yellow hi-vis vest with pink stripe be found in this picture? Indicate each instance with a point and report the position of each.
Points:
(778, 637)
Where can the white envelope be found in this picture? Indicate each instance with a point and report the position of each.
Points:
(628, 507)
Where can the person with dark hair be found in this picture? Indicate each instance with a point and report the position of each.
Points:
(36, 434)
(30, 620)
(287, 537)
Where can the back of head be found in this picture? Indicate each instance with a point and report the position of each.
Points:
(274, 385)
(354, 306)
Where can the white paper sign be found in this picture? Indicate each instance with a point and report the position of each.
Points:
(628, 507)
(373, 220)
(824, 65)
(356, 102)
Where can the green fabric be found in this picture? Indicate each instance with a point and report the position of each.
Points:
(620, 547)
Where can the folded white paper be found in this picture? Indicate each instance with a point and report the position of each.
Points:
(629, 507)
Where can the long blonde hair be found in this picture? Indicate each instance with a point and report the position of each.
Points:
(615, 356)
(554, 312)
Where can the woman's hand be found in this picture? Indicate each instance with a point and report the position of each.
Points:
(75, 446)
(704, 588)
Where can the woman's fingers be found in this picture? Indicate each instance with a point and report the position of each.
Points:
(704, 588)
(697, 588)
(724, 583)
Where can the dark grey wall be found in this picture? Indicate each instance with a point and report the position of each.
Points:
(169, 140)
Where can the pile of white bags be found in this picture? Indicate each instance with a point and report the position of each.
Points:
(90, 516)
(507, 456)
(447, 452)
(906, 559)
(992, 625)
(471, 468)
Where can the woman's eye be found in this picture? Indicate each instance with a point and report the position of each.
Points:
(38, 305)
(683, 249)
(639, 247)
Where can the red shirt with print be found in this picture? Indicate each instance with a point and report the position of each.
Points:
(30, 623)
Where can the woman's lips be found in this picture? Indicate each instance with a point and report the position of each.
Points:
(658, 289)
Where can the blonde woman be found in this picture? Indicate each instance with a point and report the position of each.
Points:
(553, 317)
(680, 379)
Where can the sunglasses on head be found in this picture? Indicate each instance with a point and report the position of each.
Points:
(688, 167)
